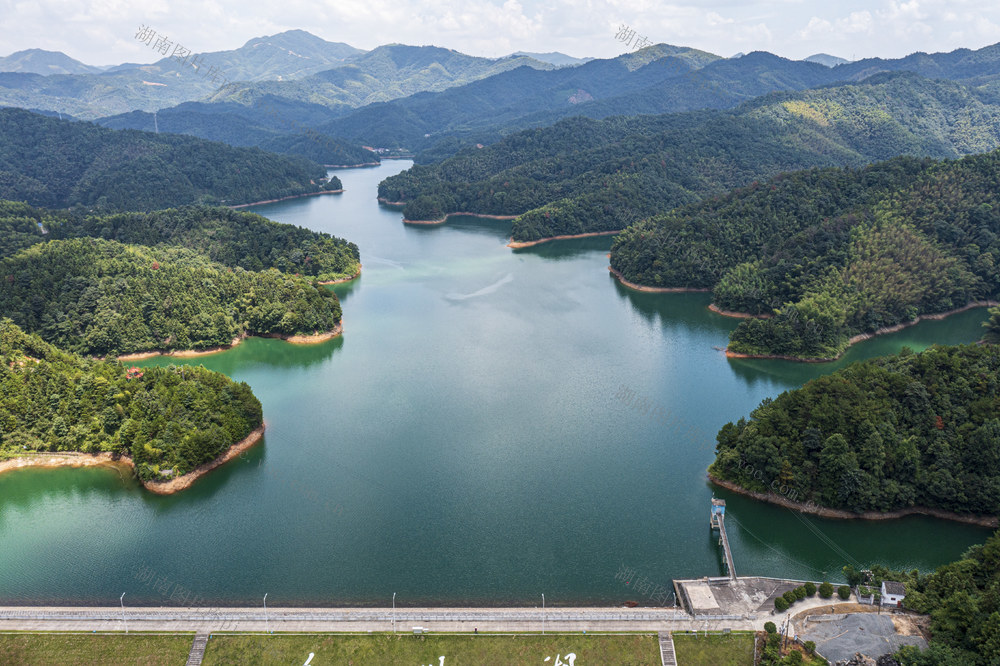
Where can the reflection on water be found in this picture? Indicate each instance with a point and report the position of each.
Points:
(568, 249)
(258, 351)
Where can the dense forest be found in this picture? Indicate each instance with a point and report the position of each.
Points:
(277, 126)
(100, 297)
(992, 327)
(60, 163)
(831, 253)
(583, 175)
(887, 433)
(163, 418)
(228, 237)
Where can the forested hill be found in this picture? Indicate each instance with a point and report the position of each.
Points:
(831, 253)
(100, 297)
(582, 176)
(59, 163)
(277, 125)
(167, 420)
(883, 434)
(228, 237)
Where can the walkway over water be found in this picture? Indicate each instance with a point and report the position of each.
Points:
(719, 521)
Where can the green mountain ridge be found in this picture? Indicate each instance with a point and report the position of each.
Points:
(833, 253)
(58, 163)
(586, 176)
(98, 297)
(233, 239)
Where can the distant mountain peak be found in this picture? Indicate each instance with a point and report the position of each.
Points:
(553, 58)
(40, 61)
(826, 59)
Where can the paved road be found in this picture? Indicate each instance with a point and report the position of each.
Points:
(357, 620)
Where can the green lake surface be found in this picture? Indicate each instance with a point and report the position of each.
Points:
(493, 425)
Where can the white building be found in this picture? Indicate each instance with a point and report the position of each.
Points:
(893, 593)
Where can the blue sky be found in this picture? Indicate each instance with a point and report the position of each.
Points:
(101, 32)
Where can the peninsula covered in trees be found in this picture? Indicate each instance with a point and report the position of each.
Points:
(46, 161)
(831, 254)
(891, 433)
(231, 238)
(101, 297)
(165, 421)
(585, 176)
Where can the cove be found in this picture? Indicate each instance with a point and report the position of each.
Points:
(493, 424)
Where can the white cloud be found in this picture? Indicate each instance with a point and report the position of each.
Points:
(101, 31)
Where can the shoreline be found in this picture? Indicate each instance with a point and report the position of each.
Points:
(861, 337)
(80, 459)
(293, 196)
(190, 353)
(343, 280)
(517, 245)
(66, 459)
(656, 290)
(183, 482)
(447, 215)
(739, 315)
(350, 166)
(824, 512)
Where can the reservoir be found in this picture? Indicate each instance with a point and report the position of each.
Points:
(493, 425)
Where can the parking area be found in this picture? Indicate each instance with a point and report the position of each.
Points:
(840, 636)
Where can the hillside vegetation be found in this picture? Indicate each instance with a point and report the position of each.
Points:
(584, 176)
(887, 433)
(59, 163)
(831, 253)
(100, 297)
(165, 419)
(228, 237)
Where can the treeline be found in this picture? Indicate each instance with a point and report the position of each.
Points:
(101, 297)
(60, 163)
(583, 175)
(992, 327)
(168, 420)
(228, 237)
(831, 253)
(883, 434)
(961, 600)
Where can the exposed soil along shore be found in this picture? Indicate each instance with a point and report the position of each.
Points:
(294, 196)
(868, 336)
(76, 459)
(313, 339)
(982, 521)
(351, 166)
(343, 280)
(383, 200)
(187, 353)
(65, 459)
(655, 290)
(185, 481)
(445, 218)
(740, 315)
(517, 245)
(780, 357)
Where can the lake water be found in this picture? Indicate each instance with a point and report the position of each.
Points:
(473, 438)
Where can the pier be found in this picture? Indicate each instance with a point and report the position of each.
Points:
(718, 520)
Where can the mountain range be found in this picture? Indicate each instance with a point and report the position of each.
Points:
(435, 124)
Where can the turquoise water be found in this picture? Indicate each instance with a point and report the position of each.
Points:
(467, 441)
